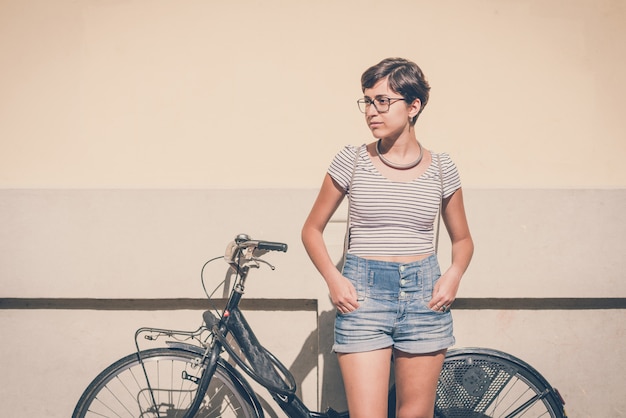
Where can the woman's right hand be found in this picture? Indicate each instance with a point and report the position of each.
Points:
(343, 294)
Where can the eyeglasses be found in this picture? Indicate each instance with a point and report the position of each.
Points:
(381, 104)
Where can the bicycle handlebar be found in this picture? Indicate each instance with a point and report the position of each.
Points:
(244, 241)
(272, 246)
(249, 249)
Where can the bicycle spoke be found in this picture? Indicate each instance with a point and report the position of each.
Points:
(122, 391)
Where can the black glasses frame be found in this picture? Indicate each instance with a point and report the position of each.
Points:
(366, 102)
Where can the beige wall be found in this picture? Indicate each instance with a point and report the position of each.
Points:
(131, 132)
(163, 93)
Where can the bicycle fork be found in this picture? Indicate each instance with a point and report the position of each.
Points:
(202, 381)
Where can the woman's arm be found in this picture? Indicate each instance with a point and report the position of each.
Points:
(342, 293)
(453, 214)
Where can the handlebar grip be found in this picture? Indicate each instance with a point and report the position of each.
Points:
(272, 246)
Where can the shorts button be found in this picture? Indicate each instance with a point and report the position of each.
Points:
(402, 268)
(402, 282)
(403, 294)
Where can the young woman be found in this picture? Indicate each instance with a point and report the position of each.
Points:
(391, 297)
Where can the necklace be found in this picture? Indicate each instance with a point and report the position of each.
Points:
(399, 166)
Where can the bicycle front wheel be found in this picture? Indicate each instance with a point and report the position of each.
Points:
(164, 386)
(480, 383)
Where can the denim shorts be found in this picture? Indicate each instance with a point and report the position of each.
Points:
(393, 308)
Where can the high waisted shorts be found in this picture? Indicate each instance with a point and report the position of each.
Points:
(393, 308)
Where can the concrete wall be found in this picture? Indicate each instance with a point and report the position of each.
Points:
(151, 244)
(137, 137)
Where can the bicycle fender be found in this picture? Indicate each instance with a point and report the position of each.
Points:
(185, 347)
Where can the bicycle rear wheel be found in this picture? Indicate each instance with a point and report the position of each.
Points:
(479, 383)
(122, 390)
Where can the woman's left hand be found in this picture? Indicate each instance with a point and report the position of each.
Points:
(444, 293)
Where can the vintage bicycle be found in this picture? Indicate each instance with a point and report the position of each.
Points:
(202, 373)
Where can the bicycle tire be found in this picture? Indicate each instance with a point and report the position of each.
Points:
(481, 383)
(121, 390)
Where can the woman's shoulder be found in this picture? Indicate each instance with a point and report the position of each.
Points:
(348, 152)
(342, 166)
(444, 158)
(353, 149)
(443, 155)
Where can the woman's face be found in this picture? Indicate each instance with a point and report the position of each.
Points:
(394, 121)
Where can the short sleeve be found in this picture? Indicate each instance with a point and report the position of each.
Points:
(451, 177)
(342, 165)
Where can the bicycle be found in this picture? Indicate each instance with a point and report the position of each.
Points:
(194, 376)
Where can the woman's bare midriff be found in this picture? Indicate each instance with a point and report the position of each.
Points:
(398, 258)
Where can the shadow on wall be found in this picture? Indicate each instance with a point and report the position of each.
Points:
(319, 342)
(332, 392)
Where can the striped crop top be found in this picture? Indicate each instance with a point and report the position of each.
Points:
(392, 218)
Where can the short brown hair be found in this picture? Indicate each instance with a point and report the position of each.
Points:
(404, 77)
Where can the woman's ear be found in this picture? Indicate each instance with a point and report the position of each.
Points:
(414, 108)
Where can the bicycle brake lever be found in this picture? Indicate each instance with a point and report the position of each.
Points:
(265, 262)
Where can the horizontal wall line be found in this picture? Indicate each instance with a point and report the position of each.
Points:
(540, 304)
(297, 304)
(155, 304)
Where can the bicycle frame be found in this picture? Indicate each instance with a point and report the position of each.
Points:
(255, 361)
